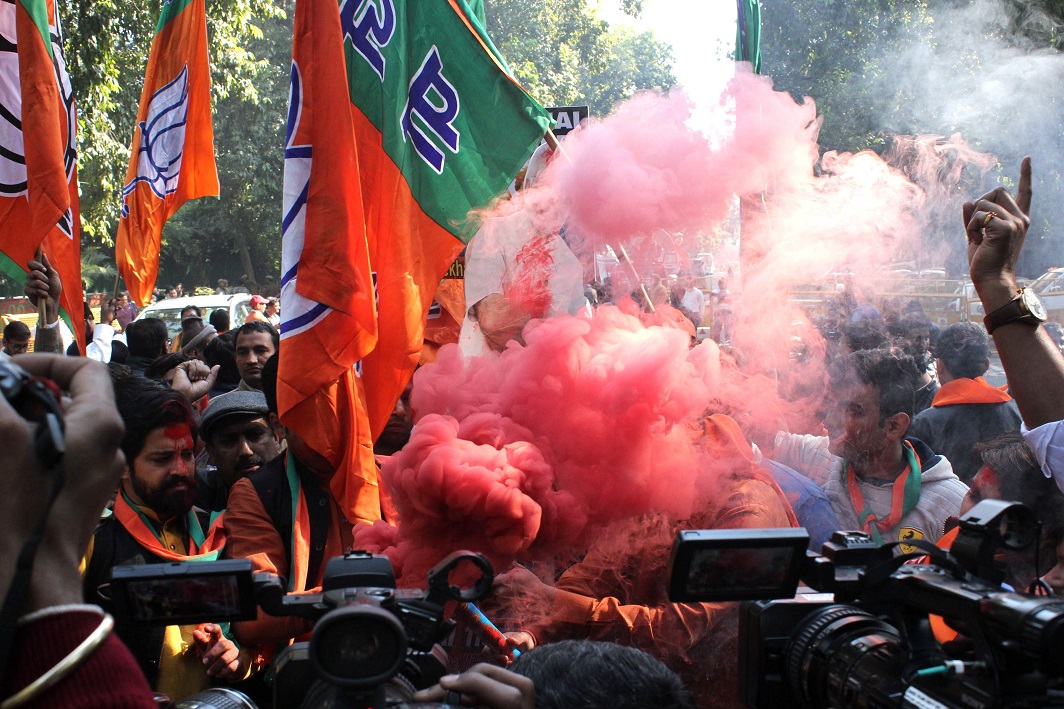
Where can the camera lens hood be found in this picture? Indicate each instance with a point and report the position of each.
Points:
(358, 646)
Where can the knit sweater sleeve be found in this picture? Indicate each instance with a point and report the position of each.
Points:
(109, 677)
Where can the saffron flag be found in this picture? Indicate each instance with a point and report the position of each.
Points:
(441, 128)
(38, 176)
(402, 120)
(172, 157)
(324, 333)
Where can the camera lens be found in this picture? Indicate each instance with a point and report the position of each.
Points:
(1035, 626)
(840, 654)
(358, 646)
(216, 698)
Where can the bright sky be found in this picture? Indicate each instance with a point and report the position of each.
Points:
(701, 33)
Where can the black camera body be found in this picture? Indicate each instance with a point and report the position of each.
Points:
(372, 643)
(864, 636)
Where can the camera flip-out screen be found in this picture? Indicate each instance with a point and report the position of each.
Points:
(183, 593)
(736, 564)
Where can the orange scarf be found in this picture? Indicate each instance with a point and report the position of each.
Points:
(201, 547)
(969, 391)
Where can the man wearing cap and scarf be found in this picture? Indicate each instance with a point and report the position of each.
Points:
(285, 518)
(239, 438)
(258, 306)
(619, 591)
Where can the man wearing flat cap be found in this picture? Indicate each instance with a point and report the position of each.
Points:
(239, 439)
(195, 336)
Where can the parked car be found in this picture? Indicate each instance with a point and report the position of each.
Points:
(169, 310)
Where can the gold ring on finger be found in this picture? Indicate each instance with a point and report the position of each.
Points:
(989, 216)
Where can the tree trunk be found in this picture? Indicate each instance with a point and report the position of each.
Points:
(245, 259)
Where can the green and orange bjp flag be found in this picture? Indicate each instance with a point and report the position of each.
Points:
(326, 332)
(442, 128)
(402, 120)
(38, 182)
(172, 157)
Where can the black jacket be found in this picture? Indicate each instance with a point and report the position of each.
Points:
(953, 430)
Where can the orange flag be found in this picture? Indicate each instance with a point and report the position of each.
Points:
(326, 330)
(38, 184)
(173, 146)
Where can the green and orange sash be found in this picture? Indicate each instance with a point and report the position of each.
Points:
(299, 564)
(904, 497)
(201, 547)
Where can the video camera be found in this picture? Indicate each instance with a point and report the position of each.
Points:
(372, 643)
(867, 639)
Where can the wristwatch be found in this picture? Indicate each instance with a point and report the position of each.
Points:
(1025, 307)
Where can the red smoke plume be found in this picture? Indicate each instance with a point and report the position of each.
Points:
(530, 454)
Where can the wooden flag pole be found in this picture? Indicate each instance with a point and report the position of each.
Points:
(42, 302)
(556, 146)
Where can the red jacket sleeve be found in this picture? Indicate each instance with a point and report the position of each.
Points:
(109, 677)
(622, 595)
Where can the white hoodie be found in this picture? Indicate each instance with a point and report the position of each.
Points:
(941, 491)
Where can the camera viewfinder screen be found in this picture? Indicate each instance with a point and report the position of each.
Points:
(185, 600)
(761, 572)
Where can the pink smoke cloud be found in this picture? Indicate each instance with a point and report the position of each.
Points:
(530, 454)
(522, 455)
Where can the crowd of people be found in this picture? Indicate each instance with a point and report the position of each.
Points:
(179, 442)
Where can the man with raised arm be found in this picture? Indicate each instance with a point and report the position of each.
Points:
(996, 225)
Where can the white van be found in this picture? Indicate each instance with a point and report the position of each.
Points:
(169, 310)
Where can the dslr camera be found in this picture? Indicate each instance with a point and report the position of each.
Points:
(898, 625)
(372, 643)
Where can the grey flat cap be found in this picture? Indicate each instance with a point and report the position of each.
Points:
(247, 403)
(201, 338)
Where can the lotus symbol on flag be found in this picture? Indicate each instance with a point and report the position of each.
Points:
(12, 149)
(162, 140)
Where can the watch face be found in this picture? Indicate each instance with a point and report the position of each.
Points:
(1034, 305)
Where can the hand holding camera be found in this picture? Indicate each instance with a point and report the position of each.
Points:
(93, 431)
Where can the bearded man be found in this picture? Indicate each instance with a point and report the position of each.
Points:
(154, 522)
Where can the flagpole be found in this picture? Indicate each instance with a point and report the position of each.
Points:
(42, 302)
(556, 146)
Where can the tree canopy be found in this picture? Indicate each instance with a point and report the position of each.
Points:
(990, 70)
(566, 56)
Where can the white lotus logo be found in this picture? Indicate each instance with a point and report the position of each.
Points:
(162, 140)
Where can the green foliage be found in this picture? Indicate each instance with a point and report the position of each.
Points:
(636, 61)
(566, 56)
(831, 50)
(97, 270)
